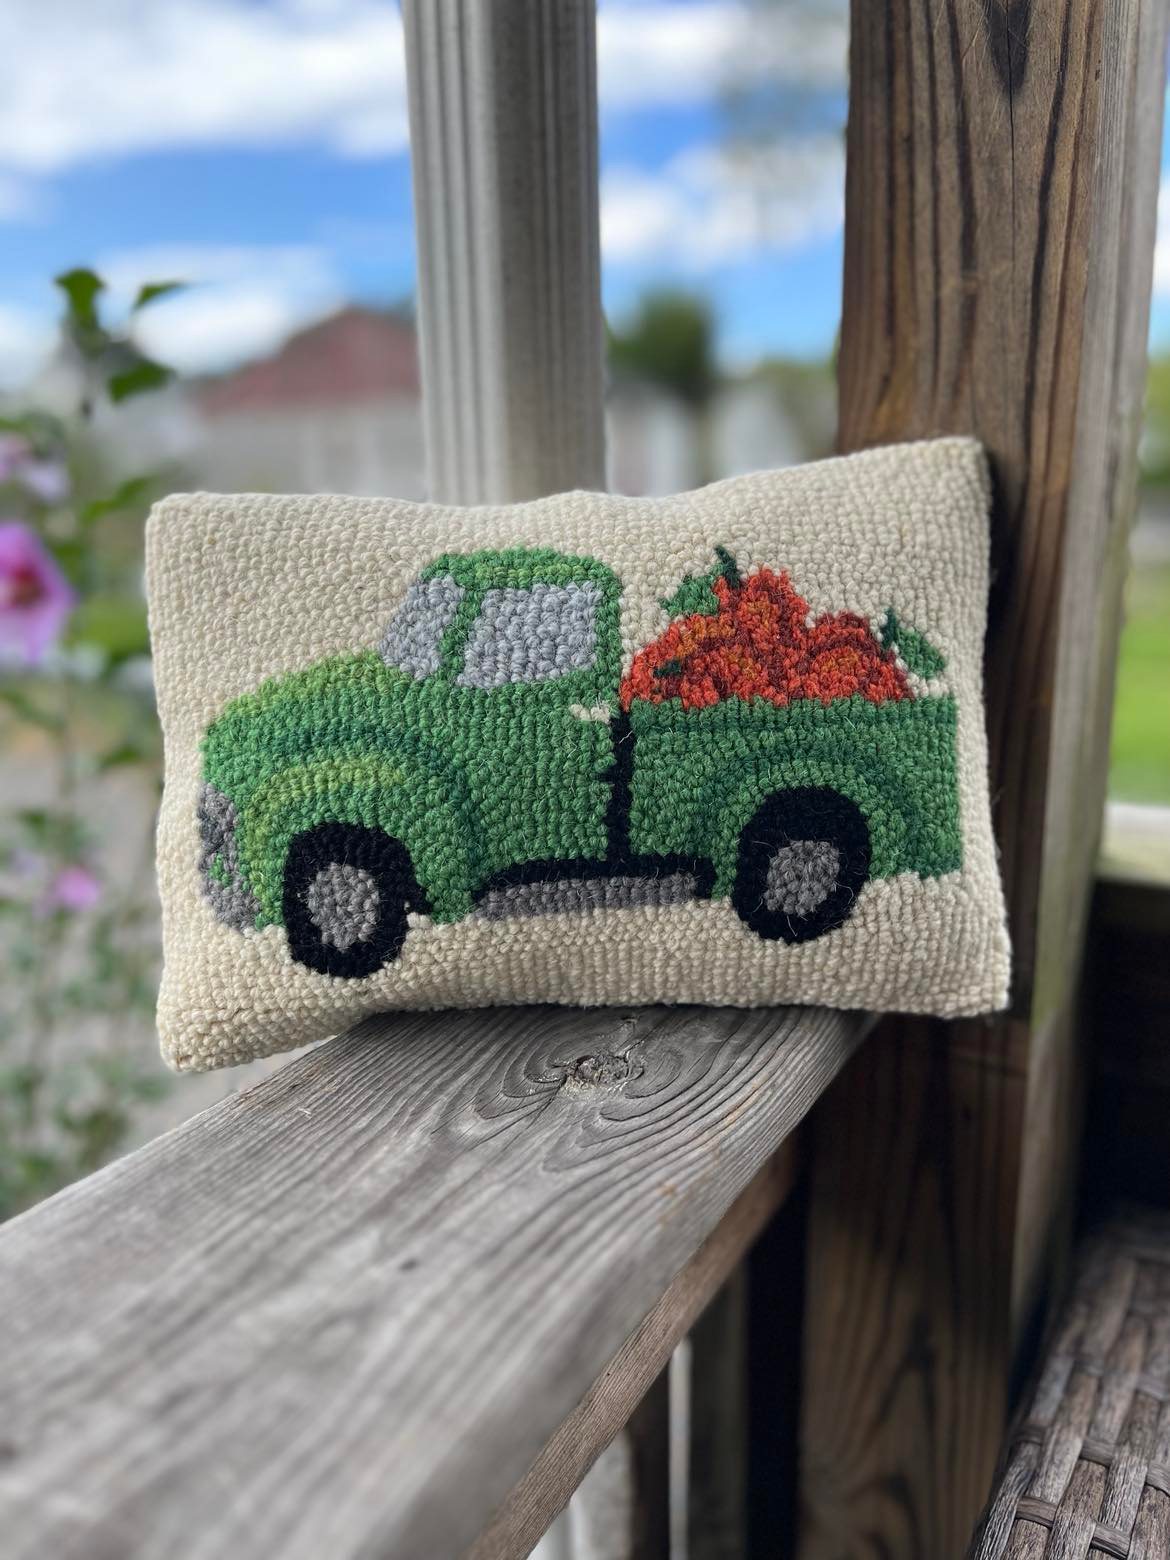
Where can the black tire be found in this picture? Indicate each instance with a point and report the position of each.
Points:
(347, 890)
(825, 841)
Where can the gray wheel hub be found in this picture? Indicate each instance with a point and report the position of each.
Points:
(801, 876)
(342, 901)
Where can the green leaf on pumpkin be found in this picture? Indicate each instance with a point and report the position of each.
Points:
(696, 594)
(728, 568)
(913, 648)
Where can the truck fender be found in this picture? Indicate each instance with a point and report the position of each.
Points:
(733, 803)
(414, 800)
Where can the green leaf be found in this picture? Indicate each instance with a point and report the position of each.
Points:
(37, 820)
(122, 755)
(728, 568)
(19, 702)
(149, 292)
(696, 594)
(127, 495)
(140, 377)
(72, 554)
(115, 624)
(913, 648)
(81, 288)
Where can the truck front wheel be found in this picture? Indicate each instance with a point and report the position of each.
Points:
(802, 859)
(347, 890)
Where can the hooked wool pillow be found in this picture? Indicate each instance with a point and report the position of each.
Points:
(724, 747)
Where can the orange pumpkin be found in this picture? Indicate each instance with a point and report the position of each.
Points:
(760, 645)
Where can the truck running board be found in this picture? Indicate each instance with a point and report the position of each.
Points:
(612, 892)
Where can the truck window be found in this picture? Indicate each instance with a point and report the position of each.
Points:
(415, 635)
(532, 635)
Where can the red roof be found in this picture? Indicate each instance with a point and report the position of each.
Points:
(355, 355)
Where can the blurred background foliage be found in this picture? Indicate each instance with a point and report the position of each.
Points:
(1140, 760)
(76, 710)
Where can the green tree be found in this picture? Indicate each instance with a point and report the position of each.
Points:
(669, 342)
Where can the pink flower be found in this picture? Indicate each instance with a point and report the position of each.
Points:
(35, 597)
(73, 888)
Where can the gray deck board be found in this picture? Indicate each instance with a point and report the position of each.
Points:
(342, 1313)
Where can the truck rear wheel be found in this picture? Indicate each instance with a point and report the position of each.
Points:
(347, 890)
(802, 859)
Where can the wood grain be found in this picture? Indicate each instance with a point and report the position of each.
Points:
(1002, 174)
(632, 1372)
(341, 1314)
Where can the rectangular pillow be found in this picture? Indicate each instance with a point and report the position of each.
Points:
(723, 747)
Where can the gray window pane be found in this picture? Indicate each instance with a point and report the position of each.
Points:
(416, 630)
(532, 635)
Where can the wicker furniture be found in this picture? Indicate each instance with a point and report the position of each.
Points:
(1087, 1469)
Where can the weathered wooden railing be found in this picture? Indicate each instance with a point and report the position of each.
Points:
(395, 1300)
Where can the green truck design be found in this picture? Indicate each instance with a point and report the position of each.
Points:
(490, 758)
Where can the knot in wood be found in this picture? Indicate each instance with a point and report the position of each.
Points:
(607, 1067)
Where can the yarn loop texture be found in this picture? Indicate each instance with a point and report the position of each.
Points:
(723, 747)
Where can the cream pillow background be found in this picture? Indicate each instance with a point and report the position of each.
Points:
(246, 588)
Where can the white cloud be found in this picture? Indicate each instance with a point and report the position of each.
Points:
(301, 266)
(243, 300)
(25, 341)
(709, 207)
(94, 81)
(204, 332)
(91, 81)
(660, 53)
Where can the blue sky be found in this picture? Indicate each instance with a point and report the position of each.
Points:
(258, 149)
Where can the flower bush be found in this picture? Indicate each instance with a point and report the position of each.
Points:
(76, 719)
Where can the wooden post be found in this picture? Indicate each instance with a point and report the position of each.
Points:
(1002, 176)
(717, 1429)
(503, 134)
